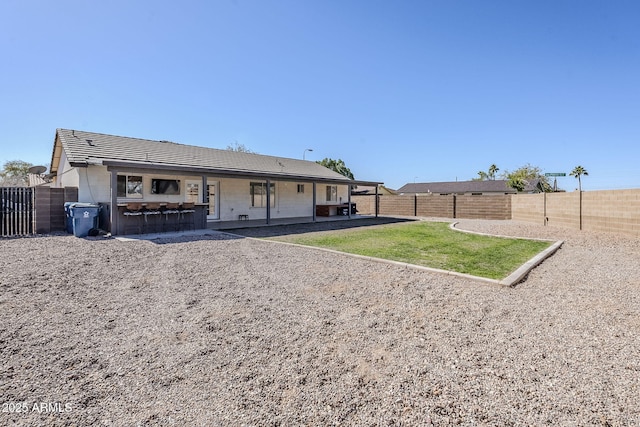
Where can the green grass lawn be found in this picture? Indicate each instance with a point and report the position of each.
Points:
(430, 244)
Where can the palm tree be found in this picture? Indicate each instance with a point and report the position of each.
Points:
(578, 171)
(492, 171)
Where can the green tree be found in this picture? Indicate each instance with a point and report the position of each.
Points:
(336, 166)
(578, 171)
(527, 174)
(15, 173)
(240, 148)
(482, 176)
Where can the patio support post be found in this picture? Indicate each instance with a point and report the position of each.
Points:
(349, 200)
(113, 209)
(376, 202)
(204, 188)
(314, 201)
(268, 201)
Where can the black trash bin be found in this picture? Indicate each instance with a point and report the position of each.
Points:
(69, 218)
(85, 217)
(343, 210)
(353, 209)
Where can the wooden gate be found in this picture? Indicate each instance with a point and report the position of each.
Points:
(16, 211)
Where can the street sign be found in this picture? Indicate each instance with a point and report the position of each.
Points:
(555, 174)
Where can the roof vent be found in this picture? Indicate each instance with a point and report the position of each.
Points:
(90, 142)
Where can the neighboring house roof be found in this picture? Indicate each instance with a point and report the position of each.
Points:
(363, 190)
(36, 180)
(491, 186)
(89, 148)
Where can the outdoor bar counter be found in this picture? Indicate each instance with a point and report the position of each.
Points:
(154, 217)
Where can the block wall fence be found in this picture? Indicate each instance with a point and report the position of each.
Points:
(433, 205)
(615, 211)
(610, 211)
(49, 214)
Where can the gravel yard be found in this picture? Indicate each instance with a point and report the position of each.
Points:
(223, 331)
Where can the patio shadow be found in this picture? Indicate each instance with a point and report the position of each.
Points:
(290, 229)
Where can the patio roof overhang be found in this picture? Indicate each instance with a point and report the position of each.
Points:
(120, 166)
(173, 169)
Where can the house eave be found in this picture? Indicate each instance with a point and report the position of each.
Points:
(124, 166)
(79, 164)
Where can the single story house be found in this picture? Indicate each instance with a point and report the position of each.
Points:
(489, 187)
(146, 185)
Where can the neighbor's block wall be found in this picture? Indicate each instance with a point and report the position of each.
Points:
(611, 210)
(42, 214)
(435, 205)
(439, 206)
(397, 205)
(49, 208)
(366, 205)
(563, 209)
(528, 208)
(617, 210)
(57, 215)
(483, 207)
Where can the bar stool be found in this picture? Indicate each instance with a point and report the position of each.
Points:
(169, 210)
(152, 220)
(134, 212)
(186, 216)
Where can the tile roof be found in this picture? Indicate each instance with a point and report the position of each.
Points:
(85, 148)
(36, 180)
(492, 186)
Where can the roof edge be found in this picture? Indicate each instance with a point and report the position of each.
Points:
(115, 164)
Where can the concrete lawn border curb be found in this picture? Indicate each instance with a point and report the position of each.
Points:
(379, 260)
(521, 272)
(514, 278)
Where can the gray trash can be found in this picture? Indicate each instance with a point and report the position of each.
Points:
(85, 217)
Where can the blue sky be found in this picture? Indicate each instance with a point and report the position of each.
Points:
(402, 91)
